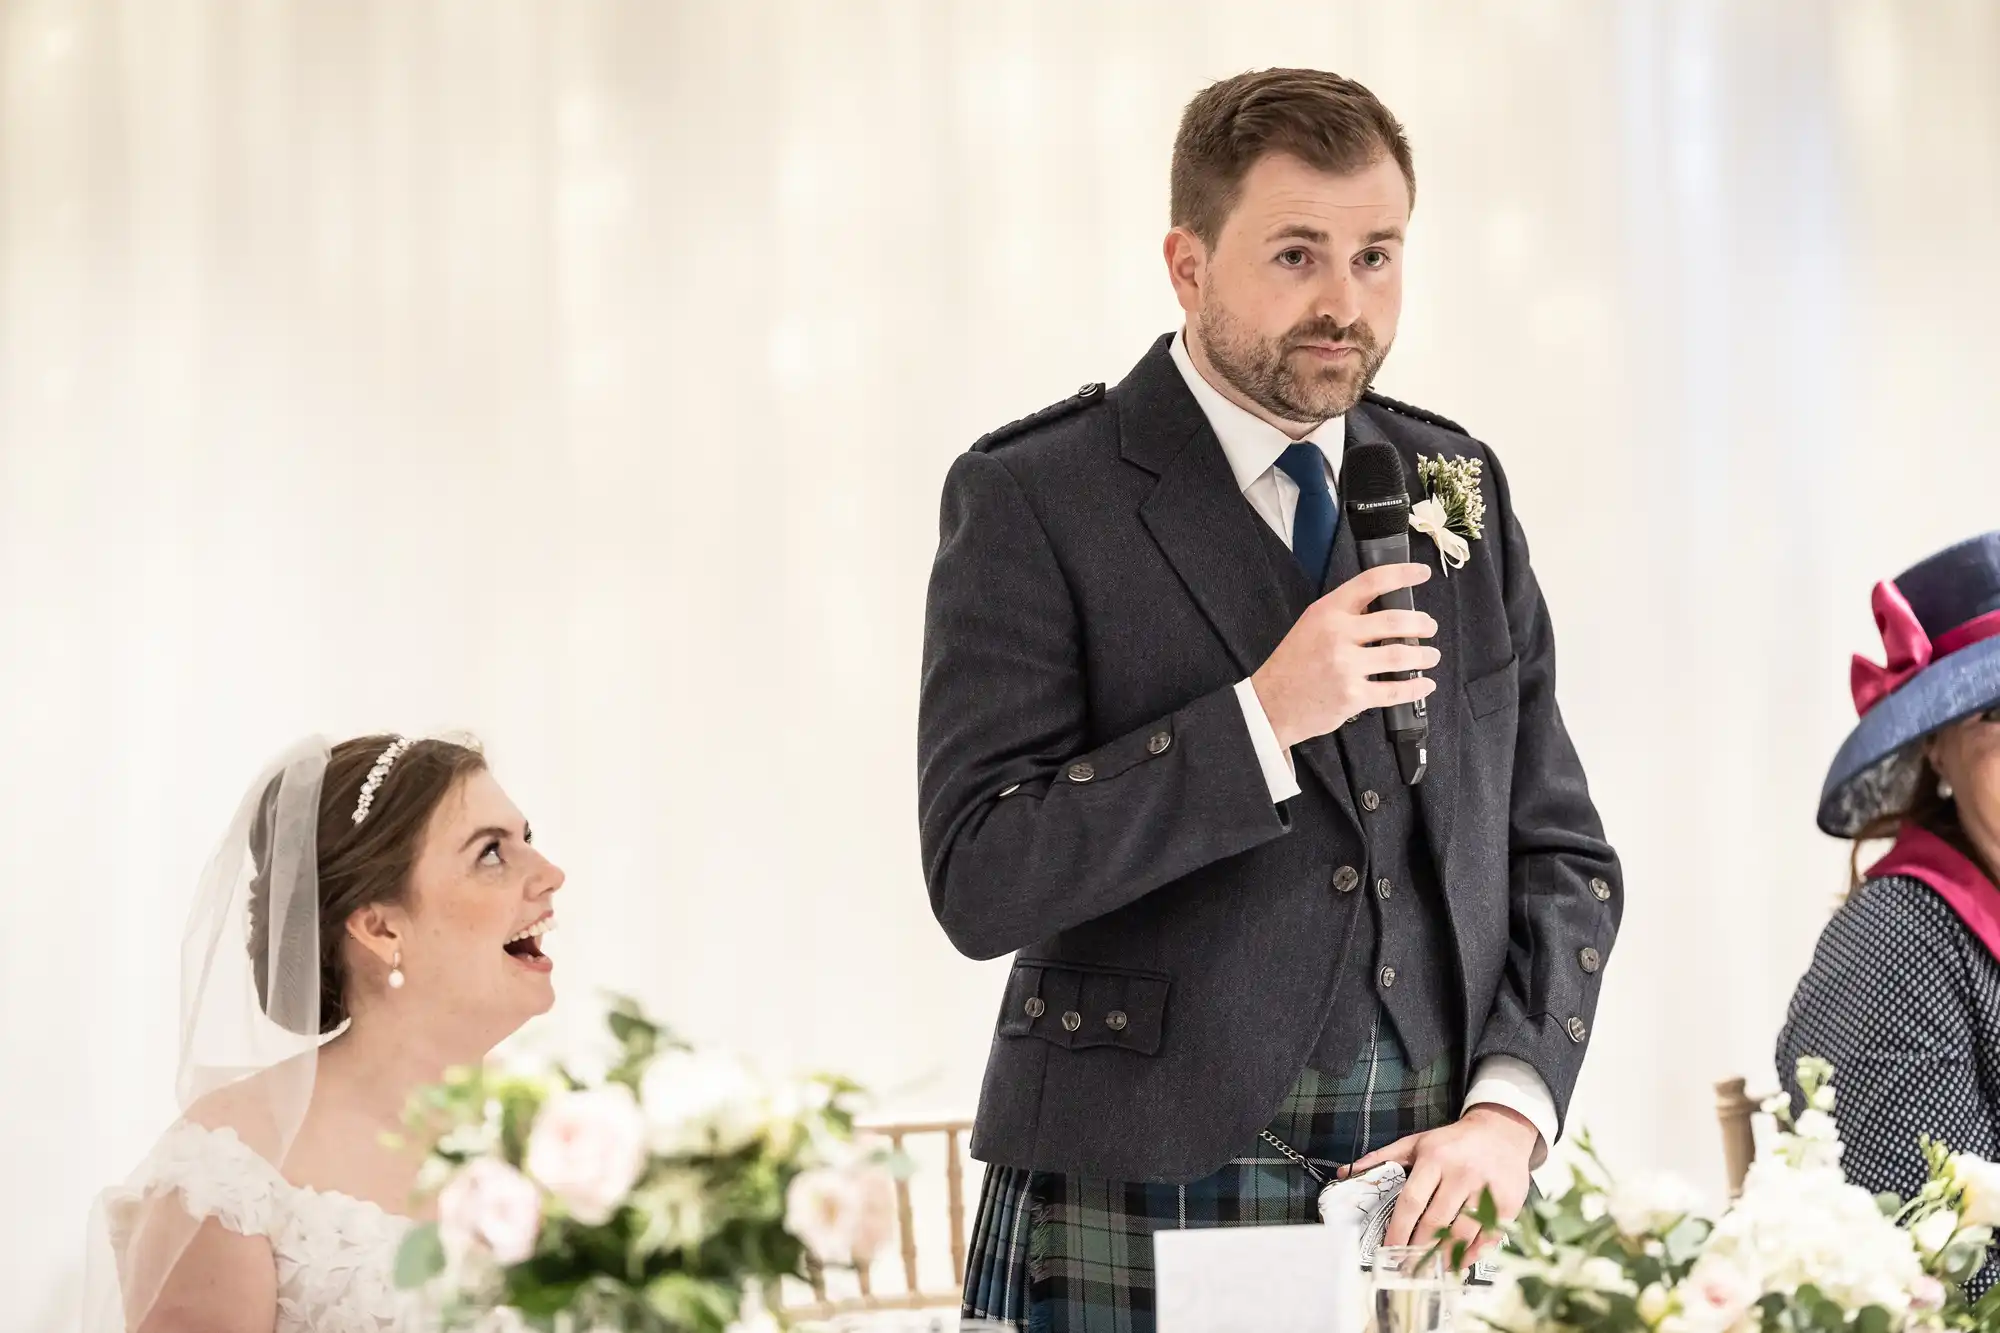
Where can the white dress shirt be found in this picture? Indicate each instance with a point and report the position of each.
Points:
(1252, 446)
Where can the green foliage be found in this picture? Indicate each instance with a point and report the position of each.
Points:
(1567, 1264)
(675, 1257)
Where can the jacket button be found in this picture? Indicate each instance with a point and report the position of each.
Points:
(1383, 888)
(1115, 1020)
(1591, 960)
(1388, 977)
(1370, 801)
(1158, 743)
(1577, 1031)
(1071, 1020)
(1081, 772)
(1602, 890)
(1034, 1007)
(1345, 878)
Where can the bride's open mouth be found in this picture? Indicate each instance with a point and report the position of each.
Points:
(525, 947)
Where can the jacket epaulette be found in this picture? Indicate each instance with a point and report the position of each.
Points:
(1418, 413)
(1088, 396)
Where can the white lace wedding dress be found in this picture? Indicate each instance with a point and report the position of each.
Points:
(336, 1254)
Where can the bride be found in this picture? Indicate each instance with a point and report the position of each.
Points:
(371, 919)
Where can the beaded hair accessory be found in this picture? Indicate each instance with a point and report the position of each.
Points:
(377, 774)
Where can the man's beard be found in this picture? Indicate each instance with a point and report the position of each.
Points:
(1290, 385)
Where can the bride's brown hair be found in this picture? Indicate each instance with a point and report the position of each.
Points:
(359, 864)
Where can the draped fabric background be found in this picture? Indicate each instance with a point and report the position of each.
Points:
(584, 374)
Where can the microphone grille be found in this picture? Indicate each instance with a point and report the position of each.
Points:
(1374, 492)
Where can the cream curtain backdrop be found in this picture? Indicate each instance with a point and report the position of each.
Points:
(584, 374)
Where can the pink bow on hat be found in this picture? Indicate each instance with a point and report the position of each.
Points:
(1908, 646)
(1909, 650)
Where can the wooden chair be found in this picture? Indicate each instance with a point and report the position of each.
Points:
(1735, 1111)
(918, 1290)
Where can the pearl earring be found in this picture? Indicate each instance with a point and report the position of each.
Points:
(1945, 792)
(396, 971)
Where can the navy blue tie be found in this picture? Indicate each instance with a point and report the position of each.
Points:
(1313, 524)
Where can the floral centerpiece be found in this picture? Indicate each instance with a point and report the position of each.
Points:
(652, 1188)
(1802, 1249)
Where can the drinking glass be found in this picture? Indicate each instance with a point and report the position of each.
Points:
(1411, 1289)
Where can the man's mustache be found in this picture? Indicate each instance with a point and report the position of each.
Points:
(1357, 334)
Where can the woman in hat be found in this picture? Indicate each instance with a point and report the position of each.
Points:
(1903, 996)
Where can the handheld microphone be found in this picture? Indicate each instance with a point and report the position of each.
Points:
(1377, 500)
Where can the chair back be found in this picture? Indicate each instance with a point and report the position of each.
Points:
(925, 1278)
(1735, 1112)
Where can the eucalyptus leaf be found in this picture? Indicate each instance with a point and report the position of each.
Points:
(696, 1303)
(420, 1257)
(540, 1299)
(1960, 1261)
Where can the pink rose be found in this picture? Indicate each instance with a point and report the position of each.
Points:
(587, 1149)
(844, 1215)
(491, 1204)
(1716, 1293)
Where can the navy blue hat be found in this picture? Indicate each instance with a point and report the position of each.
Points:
(1940, 622)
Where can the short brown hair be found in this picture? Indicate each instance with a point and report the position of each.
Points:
(1327, 122)
(359, 864)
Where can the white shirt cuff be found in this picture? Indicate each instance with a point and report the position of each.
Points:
(1272, 757)
(1503, 1080)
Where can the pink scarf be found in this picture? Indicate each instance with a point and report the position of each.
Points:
(1923, 855)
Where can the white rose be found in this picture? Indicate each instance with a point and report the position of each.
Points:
(1980, 1179)
(1653, 1303)
(587, 1148)
(1601, 1274)
(574, 1039)
(792, 1109)
(1933, 1233)
(478, 1138)
(1651, 1204)
(1796, 1226)
(490, 1203)
(843, 1215)
(1817, 1126)
(701, 1103)
(679, 1198)
(1500, 1306)
(1927, 1293)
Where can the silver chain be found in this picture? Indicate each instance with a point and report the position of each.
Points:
(1319, 1176)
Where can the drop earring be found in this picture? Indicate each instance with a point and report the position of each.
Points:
(396, 971)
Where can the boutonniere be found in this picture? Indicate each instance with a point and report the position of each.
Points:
(1454, 513)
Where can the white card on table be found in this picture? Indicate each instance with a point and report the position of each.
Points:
(1244, 1279)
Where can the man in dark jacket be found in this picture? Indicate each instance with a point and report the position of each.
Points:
(1153, 762)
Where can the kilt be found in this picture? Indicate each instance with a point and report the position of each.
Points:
(1060, 1254)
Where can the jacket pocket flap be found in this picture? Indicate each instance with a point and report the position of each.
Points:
(1082, 1005)
(1494, 690)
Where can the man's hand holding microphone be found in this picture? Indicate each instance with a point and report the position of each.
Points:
(1321, 676)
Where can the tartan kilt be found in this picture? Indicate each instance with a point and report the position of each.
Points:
(1061, 1254)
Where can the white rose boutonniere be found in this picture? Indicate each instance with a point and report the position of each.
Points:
(1454, 513)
